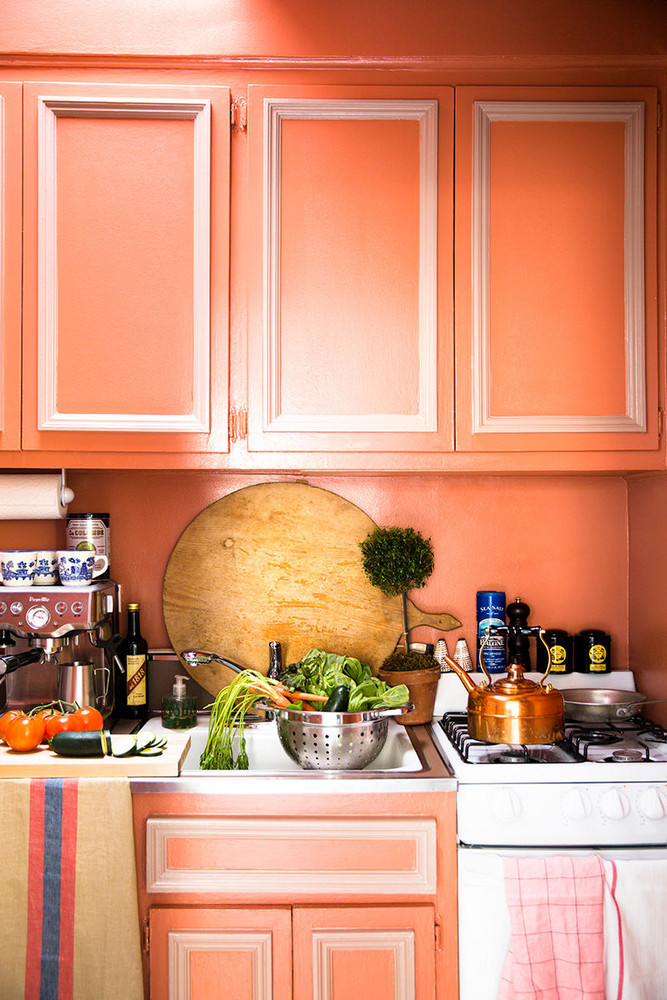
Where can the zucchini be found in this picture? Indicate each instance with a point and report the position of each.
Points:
(338, 699)
(81, 743)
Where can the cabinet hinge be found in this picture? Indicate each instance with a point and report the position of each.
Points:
(239, 114)
(437, 936)
(659, 112)
(238, 423)
(661, 421)
(146, 936)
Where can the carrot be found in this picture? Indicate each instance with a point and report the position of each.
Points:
(305, 696)
(272, 694)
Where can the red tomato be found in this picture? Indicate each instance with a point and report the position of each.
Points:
(64, 722)
(89, 717)
(25, 733)
(8, 717)
(45, 714)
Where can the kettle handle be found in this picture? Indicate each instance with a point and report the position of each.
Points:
(548, 670)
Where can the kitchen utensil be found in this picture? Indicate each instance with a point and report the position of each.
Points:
(279, 559)
(44, 763)
(602, 704)
(332, 741)
(512, 710)
(86, 684)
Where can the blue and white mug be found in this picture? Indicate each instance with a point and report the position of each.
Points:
(46, 570)
(77, 567)
(18, 567)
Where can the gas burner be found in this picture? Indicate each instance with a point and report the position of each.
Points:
(628, 755)
(515, 755)
(594, 737)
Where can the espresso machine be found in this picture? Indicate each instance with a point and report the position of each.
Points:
(58, 643)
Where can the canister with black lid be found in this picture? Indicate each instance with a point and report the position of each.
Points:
(559, 647)
(592, 651)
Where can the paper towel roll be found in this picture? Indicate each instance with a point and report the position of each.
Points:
(33, 497)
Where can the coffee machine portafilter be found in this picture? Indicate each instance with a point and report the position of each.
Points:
(68, 635)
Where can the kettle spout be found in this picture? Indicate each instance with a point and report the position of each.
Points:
(463, 676)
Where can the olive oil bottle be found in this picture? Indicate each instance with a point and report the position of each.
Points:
(132, 685)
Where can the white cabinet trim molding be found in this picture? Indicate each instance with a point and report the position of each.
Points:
(183, 944)
(50, 109)
(418, 876)
(400, 943)
(631, 113)
(425, 112)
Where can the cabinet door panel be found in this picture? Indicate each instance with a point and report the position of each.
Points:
(351, 307)
(556, 308)
(10, 264)
(199, 953)
(118, 276)
(390, 950)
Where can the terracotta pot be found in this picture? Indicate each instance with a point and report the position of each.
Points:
(422, 685)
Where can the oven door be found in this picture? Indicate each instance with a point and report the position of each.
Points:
(635, 920)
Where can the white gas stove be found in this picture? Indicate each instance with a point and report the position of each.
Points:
(604, 784)
(602, 790)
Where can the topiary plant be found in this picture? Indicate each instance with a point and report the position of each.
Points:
(397, 560)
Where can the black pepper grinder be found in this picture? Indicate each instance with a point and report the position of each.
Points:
(518, 633)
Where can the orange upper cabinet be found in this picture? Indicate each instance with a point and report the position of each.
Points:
(556, 302)
(126, 268)
(350, 276)
(10, 265)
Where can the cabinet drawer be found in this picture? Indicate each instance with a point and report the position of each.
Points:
(284, 858)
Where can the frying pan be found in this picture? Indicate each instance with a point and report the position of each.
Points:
(601, 704)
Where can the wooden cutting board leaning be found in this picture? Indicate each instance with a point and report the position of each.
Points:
(279, 561)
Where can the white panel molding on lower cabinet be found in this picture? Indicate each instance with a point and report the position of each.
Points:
(399, 943)
(631, 114)
(50, 110)
(417, 876)
(183, 944)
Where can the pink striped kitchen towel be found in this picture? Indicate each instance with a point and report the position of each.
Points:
(556, 915)
(70, 914)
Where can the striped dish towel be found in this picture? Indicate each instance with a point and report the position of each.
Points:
(556, 914)
(70, 914)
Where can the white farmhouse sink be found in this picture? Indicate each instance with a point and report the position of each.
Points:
(266, 755)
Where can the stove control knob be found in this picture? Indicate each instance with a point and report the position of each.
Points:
(614, 804)
(653, 803)
(506, 805)
(576, 804)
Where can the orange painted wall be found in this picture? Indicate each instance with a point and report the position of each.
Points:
(558, 542)
(647, 503)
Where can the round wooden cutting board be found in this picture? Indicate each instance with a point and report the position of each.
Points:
(279, 561)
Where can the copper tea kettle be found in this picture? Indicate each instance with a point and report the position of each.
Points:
(513, 709)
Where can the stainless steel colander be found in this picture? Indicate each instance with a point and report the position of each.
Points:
(333, 741)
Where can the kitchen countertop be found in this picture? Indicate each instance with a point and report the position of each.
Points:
(433, 776)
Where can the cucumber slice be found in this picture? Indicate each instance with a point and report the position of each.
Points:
(123, 745)
(146, 739)
(150, 752)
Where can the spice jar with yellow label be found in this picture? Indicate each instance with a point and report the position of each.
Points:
(592, 651)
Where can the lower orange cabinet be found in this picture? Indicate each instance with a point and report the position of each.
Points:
(304, 953)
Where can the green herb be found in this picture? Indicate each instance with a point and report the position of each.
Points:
(397, 560)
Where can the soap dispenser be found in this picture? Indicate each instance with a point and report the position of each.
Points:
(179, 711)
